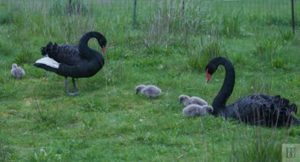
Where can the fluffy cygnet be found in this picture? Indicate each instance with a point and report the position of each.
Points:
(150, 91)
(193, 110)
(187, 100)
(184, 99)
(17, 71)
(197, 100)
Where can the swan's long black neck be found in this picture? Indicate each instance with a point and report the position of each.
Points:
(220, 100)
(85, 50)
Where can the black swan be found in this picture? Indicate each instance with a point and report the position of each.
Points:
(73, 61)
(256, 109)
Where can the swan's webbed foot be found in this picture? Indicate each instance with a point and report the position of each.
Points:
(75, 91)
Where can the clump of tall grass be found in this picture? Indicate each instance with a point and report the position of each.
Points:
(260, 85)
(6, 17)
(5, 151)
(72, 7)
(266, 47)
(271, 19)
(269, 48)
(24, 57)
(171, 24)
(115, 74)
(261, 148)
(208, 50)
(6, 48)
(231, 26)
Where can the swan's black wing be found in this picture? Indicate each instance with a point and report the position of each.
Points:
(263, 110)
(66, 54)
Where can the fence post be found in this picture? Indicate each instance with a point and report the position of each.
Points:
(182, 7)
(293, 15)
(134, 13)
(69, 8)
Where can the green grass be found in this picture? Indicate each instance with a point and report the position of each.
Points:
(108, 121)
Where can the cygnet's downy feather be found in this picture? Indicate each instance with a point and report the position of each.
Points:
(187, 100)
(193, 110)
(17, 71)
(150, 91)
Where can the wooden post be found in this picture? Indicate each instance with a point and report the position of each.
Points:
(134, 13)
(293, 15)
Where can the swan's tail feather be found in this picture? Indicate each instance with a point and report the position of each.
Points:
(283, 112)
(284, 104)
(296, 122)
(50, 49)
(47, 63)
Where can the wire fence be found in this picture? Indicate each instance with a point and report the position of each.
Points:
(277, 12)
(270, 11)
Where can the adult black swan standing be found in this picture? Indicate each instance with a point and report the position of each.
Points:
(256, 109)
(73, 61)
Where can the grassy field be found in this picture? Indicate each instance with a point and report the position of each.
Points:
(167, 47)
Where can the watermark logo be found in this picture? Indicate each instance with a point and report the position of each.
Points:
(290, 152)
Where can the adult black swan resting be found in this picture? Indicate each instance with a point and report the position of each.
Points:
(256, 109)
(73, 61)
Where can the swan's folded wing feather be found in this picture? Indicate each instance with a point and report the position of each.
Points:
(263, 110)
(68, 54)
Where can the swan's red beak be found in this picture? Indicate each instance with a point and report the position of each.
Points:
(103, 50)
(208, 76)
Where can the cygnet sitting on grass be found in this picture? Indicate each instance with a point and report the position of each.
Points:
(187, 100)
(17, 71)
(150, 91)
(193, 110)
